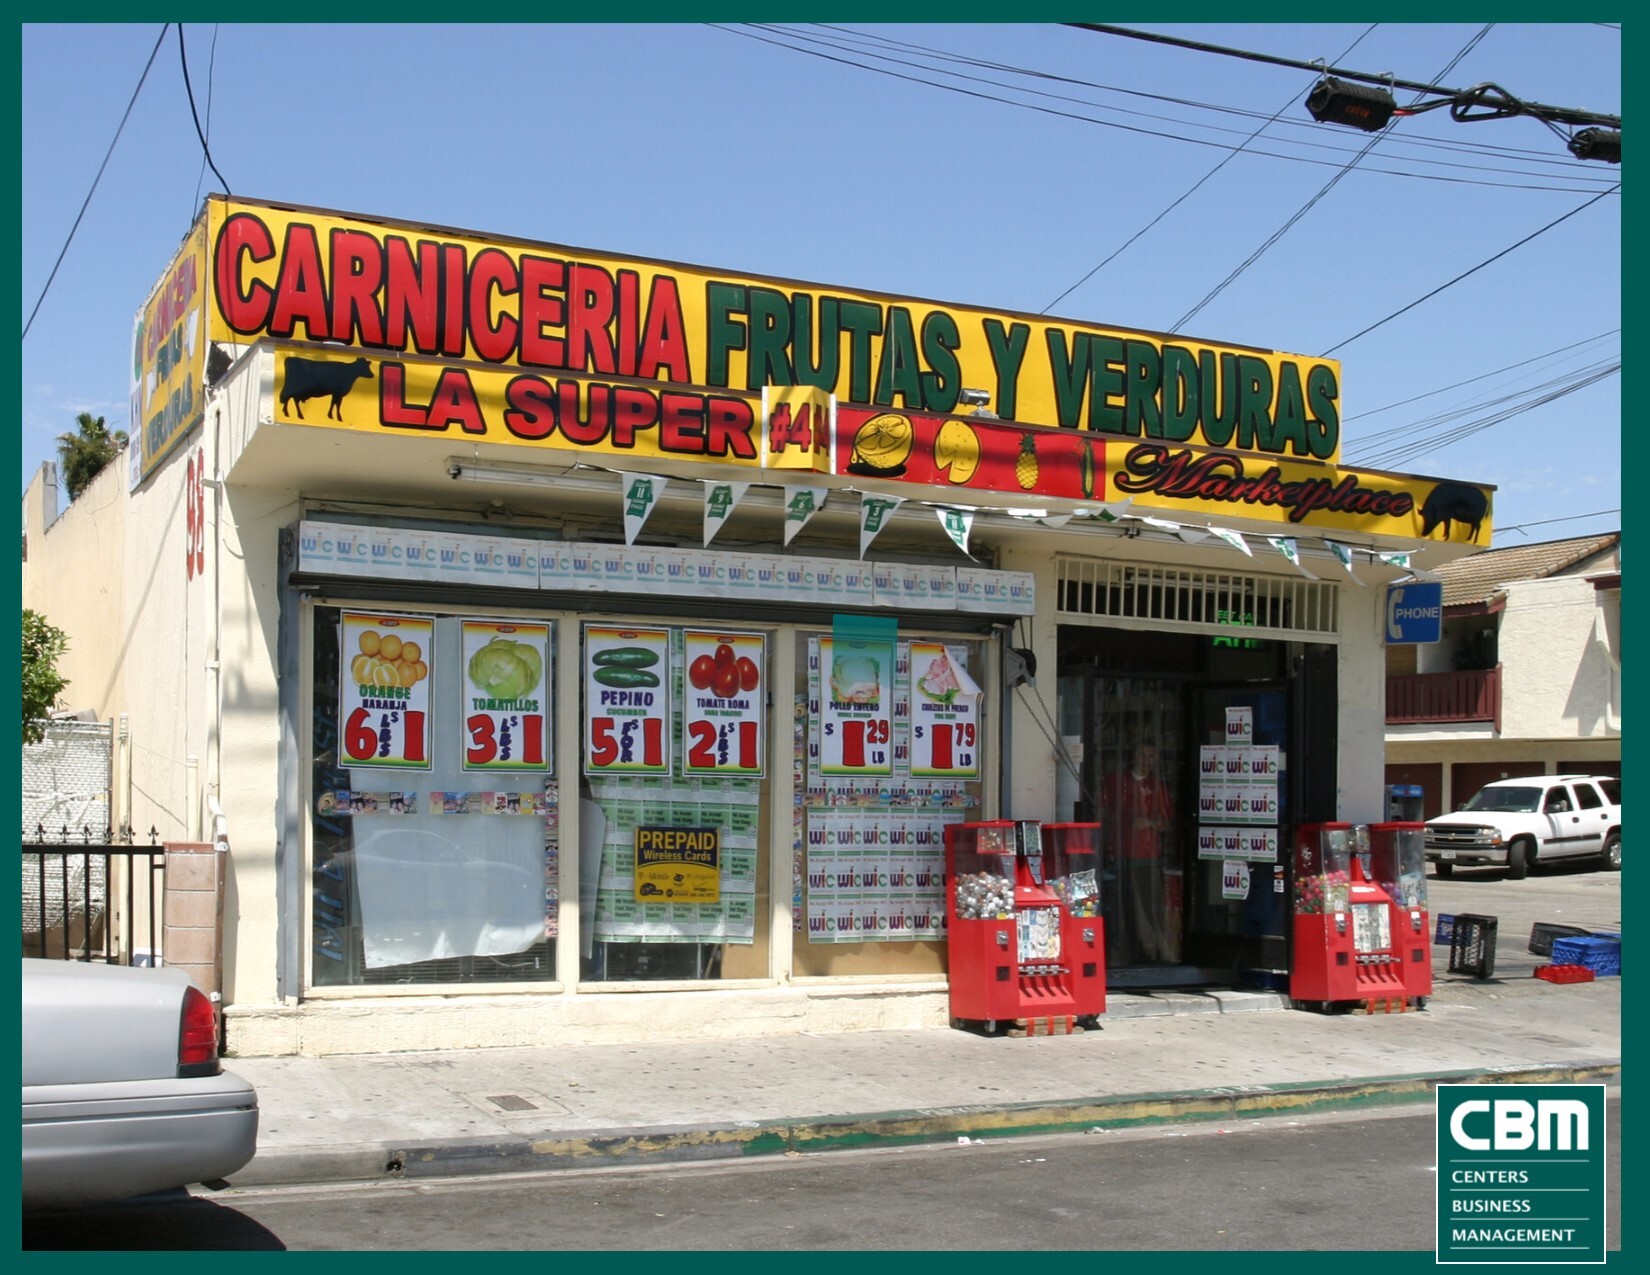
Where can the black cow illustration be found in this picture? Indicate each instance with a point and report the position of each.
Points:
(1456, 502)
(313, 378)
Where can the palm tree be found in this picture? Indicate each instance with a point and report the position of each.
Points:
(84, 455)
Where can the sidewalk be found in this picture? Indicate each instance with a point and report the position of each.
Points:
(1156, 1058)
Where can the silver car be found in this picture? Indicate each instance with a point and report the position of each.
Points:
(123, 1093)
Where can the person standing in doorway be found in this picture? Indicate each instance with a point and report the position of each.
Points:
(1140, 816)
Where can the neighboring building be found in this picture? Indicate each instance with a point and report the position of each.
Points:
(1527, 678)
(464, 581)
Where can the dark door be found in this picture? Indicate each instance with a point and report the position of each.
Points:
(1236, 915)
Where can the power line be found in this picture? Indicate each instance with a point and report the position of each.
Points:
(1484, 376)
(1549, 114)
(1465, 273)
(1547, 522)
(1310, 204)
(1426, 427)
(87, 201)
(1569, 187)
(211, 69)
(1402, 455)
(851, 39)
(1225, 160)
(195, 115)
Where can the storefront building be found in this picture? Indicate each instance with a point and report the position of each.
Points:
(577, 647)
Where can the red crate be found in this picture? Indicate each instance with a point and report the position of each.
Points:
(1564, 973)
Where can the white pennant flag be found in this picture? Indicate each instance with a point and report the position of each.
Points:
(1232, 538)
(641, 497)
(874, 512)
(957, 524)
(1289, 549)
(1343, 553)
(1113, 512)
(802, 502)
(1395, 559)
(720, 499)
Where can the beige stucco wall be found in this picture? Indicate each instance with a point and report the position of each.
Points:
(110, 572)
(1556, 680)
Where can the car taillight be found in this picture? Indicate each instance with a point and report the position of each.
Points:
(198, 1036)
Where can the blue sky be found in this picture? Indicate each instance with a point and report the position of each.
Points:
(992, 165)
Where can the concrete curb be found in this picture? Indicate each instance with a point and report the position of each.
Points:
(598, 1148)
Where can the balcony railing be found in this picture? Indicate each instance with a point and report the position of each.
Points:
(1470, 696)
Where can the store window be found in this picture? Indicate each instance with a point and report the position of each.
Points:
(433, 800)
(888, 748)
(674, 798)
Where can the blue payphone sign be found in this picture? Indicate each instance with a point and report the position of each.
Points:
(1414, 613)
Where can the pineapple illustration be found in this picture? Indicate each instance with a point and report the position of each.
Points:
(1025, 464)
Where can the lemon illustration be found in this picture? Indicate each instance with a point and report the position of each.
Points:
(883, 442)
(957, 451)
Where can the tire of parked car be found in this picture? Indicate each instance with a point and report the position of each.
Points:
(1610, 860)
(1519, 855)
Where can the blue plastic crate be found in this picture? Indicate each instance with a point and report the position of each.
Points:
(1602, 956)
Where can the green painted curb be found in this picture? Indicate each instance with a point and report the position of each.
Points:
(599, 1148)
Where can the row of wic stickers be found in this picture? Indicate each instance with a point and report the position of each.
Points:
(1521, 1174)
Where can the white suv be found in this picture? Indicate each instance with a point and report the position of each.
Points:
(1518, 822)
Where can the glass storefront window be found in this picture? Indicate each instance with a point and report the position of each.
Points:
(887, 746)
(674, 799)
(433, 809)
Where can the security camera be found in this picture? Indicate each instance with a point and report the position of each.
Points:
(455, 470)
(974, 398)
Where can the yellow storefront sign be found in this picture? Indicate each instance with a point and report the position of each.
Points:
(400, 288)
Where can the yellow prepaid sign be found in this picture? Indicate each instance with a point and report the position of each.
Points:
(678, 865)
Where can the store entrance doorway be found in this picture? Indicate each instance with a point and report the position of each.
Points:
(1236, 914)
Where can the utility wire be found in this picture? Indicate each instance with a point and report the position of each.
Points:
(1570, 187)
(87, 201)
(1402, 455)
(1192, 189)
(1465, 273)
(1547, 522)
(846, 36)
(1521, 365)
(211, 69)
(1426, 427)
(1549, 114)
(195, 115)
(1180, 324)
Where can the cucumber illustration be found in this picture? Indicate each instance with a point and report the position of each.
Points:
(619, 676)
(627, 657)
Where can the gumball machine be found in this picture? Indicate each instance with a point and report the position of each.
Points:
(1398, 864)
(1351, 937)
(1026, 942)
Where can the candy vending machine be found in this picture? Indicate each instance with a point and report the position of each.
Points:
(1352, 940)
(1398, 864)
(1026, 941)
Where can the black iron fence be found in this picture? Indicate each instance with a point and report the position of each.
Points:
(90, 895)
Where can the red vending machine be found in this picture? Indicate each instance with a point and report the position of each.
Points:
(1398, 864)
(1027, 947)
(1351, 937)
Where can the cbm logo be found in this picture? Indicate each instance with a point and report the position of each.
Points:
(1515, 1124)
(1520, 1174)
